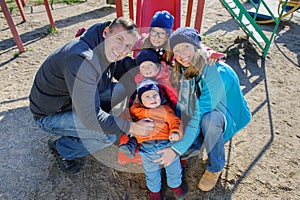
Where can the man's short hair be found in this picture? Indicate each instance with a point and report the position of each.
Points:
(125, 23)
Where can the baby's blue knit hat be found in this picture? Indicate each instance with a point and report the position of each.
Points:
(146, 55)
(185, 34)
(163, 19)
(145, 85)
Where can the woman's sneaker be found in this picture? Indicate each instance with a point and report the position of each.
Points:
(67, 166)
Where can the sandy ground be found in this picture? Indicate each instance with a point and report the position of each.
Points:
(262, 160)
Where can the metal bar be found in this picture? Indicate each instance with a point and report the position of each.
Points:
(12, 26)
(49, 15)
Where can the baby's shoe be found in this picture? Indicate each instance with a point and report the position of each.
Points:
(179, 192)
(155, 195)
(129, 148)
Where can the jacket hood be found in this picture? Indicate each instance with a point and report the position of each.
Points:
(94, 35)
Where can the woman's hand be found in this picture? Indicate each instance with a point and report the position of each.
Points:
(167, 157)
(212, 61)
(214, 56)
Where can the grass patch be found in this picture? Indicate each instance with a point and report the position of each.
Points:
(11, 4)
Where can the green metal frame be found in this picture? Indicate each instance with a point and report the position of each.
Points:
(248, 23)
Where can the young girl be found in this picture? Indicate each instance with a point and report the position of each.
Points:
(158, 37)
(210, 103)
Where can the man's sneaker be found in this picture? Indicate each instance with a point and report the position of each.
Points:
(129, 148)
(67, 166)
(208, 180)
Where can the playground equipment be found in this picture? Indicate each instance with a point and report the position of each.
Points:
(291, 7)
(248, 21)
(264, 17)
(12, 27)
(145, 9)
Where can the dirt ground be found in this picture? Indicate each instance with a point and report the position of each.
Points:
(262, 160)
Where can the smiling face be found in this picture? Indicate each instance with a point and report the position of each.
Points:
(184, 53)
(118, 43)
(158, 36)
(148, 69)
(151, 99)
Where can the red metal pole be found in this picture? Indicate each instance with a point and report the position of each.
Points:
(177, 14)
(130, 2)
(189, 13)
(138, 14)
(49, 14)
(12, 26)
(23, 3)
(199, 15)
(20, 7)
(119, 8)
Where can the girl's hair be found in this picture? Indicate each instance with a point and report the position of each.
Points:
(148, 45)
(196, 67)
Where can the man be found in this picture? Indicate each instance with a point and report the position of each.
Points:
(72, 93)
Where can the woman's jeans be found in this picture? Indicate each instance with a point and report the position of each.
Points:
(152, 169)
(212, 131)
(77, 141)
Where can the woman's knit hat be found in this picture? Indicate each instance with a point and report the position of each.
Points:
(146, 85)
(146, 55)
(185, 34)
(163, 19)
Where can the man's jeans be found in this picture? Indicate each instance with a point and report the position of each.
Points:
(212, 130)
(78, 141)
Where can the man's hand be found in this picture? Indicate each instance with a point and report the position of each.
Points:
(167, 157)
(141, 127)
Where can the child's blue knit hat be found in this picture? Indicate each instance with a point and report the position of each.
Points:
(146, 55)
(163, 19)
(185, 34)
(145, 85)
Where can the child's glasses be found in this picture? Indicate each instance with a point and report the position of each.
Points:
(161, 35)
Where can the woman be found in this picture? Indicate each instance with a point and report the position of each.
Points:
(210, 103)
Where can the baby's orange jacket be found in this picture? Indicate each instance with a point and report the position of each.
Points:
(164, 118)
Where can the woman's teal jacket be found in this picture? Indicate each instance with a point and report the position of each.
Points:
(220, 90)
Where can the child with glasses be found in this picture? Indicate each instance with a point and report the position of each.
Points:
(159, 34)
